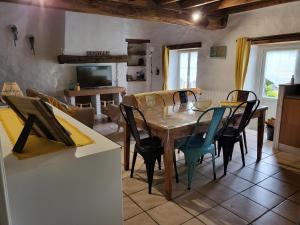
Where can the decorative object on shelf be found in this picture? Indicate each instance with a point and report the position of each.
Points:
(218, 51)
(14, 31)
(97, 53)
(129, 77)
(77, 87)
(293, 80)
(31, 43)
(141, 62)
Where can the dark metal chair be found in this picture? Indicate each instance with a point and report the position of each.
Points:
(229, 134)
(150, 148)
(242, 96)
(183, 96)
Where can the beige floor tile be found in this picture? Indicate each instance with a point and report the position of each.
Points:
(169, 214)
(193, 221)
(130, 209)
(132, 185)
(271, 218)
(220, 216)
(217, 192)
(295, 198)
(279, 187)
(235, 183)
(195, 203)
(147, 201)
(158, 176)
(289, 210)
(244, 207)
(288, 176)
(265, 168)
(141, 219)
(262, 196)
(251, 175)
(177, 188)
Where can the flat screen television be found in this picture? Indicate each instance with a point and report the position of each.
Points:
(94, 76)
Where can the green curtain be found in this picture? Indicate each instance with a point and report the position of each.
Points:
(165, 67)
(243, 47)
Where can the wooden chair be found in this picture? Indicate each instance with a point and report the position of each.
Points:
(229, 135)
(150, 101)
(242, 96)
(150, 148)
(183, 96)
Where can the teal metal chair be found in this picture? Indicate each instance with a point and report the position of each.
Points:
(198, 144)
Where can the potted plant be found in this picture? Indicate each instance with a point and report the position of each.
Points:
(270, 128)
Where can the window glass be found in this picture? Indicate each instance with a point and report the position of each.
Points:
(280, 65)
(183, 69)
(193, 69)
(188, 69)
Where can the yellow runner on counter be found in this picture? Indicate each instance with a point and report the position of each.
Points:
(35, 145)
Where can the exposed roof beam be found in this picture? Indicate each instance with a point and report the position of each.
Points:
(236, 6)
(186, 4)
(165, 2)
(154, 13)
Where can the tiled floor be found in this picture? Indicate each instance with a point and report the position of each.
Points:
(264, 193)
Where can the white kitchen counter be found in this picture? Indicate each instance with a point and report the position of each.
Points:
(77, 186)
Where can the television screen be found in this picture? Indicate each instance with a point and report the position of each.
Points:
(94, 76)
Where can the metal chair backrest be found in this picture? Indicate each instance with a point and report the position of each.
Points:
(241, 95)
(183, 96)
(128, 115)
(249, 109)
(218, 113)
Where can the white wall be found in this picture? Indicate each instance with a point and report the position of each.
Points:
(17, 63)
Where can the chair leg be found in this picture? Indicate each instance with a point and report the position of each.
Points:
(191, 168)
(159, 162)
(133, 163)
(214, 166)
(201, 159)
(215, 145)
(227, 151)
(242, 150)
(245, 141)
(219, 148)
(175, 168)
(150, 172)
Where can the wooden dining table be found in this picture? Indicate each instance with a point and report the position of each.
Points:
(173, 122)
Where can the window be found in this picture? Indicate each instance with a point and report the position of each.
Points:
(187, 69)
(279, 66)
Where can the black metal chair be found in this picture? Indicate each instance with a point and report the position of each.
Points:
(150, 148)
(229, 134)
(183, 96)
(242, 96)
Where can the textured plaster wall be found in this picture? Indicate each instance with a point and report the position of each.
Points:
(18, 63)
(78, 32)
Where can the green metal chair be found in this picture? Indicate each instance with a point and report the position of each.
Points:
(197, 145)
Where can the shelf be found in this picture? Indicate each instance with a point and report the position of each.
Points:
(136, 80)
(74, 59)
(137, 41)
(137, 53)
(137, 65)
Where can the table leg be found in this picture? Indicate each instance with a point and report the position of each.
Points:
(126, 146)
(260, 134)
(168, 161)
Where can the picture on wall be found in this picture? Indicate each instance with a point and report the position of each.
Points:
(218, 51)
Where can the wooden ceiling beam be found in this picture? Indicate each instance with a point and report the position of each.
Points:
(109, 8)
(165, 2)
(187, 4)
(237, 6)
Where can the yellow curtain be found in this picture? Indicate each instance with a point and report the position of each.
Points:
(165, 67)
(242, 58)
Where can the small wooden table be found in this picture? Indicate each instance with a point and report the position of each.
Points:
(173, 122)
(95, 93)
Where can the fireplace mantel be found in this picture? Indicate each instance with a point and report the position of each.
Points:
(78, 59)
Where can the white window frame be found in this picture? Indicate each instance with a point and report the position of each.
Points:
(262, 61)
(188, 72)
